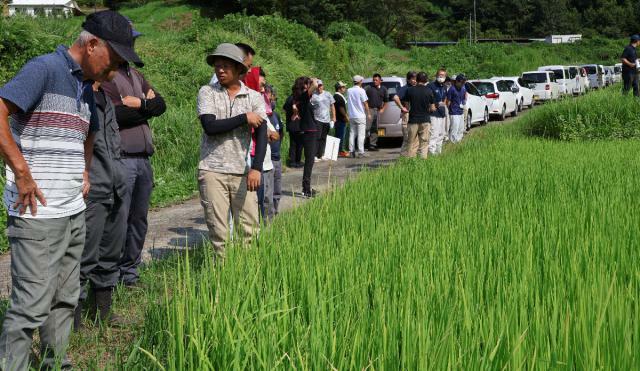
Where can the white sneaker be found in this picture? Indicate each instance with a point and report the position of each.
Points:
(318, 160)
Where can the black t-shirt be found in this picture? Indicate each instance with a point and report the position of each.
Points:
(305, 110)
(340, 102)
(631, 55)
(377, 97)
(420, 98)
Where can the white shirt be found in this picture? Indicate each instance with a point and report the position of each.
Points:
(355, 105)
(267, 165)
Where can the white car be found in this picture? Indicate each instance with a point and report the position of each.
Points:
(563, 78)
(543, 84)
(501, 99)
(524, 96)
(596, 75)
(477, 107)
(581, 81)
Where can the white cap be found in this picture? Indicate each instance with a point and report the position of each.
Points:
(357, 78)
(320, 82)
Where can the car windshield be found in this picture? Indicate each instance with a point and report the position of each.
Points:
(392, 87)
(591, 70)
(484, 87)
(558, 73)
(471, 89)
(535, 78)
(573, 72)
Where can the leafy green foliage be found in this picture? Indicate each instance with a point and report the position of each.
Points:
(397, 21)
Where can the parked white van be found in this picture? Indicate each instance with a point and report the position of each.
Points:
(501, 98)
(543, 84)
(581, 81)
(563, 78)
(596, 75)
(617, 72)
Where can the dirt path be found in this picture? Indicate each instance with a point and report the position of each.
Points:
(182, 225)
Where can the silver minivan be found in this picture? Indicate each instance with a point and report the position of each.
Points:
(390, 122)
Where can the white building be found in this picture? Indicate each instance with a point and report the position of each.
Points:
(61, 8)
(562, 39)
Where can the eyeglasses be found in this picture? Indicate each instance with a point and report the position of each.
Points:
(223, 66)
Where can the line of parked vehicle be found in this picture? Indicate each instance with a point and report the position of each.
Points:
(500, 96)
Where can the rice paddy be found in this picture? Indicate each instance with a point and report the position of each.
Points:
(510, 252)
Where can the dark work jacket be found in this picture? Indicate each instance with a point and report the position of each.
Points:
(134, 126)
(107, 174)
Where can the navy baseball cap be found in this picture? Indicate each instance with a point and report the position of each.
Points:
(134, 32)
(461, 77)
(635, 38)
(116, 30)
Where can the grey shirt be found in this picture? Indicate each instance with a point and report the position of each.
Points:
(227, 153)
(321, 103)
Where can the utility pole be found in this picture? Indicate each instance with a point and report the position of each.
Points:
(475, 22)
(470, 34)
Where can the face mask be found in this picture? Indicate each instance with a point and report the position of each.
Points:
(441, 79)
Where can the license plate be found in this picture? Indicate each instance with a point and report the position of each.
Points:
(381, 132)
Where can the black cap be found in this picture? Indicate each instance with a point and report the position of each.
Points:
(461, 77)
(116, 30)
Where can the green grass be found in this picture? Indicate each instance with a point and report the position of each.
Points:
(601, 115)
(508, 252)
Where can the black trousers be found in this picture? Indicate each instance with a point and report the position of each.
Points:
(323, 128)
(630, 80)
(310, 141)
(296, 144)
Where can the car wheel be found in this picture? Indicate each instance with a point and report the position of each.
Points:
(503, 115)
(486, 117)
(469, 120)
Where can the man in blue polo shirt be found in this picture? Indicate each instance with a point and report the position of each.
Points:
(629, 70)
(47, 124)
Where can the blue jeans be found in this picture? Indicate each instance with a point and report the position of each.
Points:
(136, 201)
(341, 130)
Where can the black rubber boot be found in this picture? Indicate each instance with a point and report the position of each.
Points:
(77, 316)
(104, 301)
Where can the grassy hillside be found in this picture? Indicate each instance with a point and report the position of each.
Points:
(176, 40)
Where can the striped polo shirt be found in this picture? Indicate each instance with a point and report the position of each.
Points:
(55, 115)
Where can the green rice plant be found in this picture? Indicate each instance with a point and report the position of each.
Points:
(510, 252)
(605, 114)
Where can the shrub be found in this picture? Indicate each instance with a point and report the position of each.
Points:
(601, 115)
